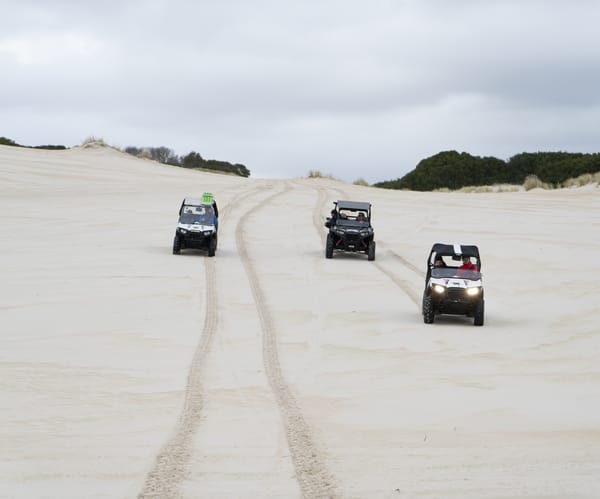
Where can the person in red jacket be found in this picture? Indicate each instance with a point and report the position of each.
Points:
(466, 264)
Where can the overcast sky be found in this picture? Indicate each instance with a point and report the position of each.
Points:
(356, 89)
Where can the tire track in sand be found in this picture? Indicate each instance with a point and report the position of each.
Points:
(313, 476)
(171, 464)
(406, 286)
(318, 221)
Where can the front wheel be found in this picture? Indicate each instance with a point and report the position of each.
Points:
(176, 245)
(478, 316)
(428, 311)
(371, 251)
(212, 247)
(329, 246)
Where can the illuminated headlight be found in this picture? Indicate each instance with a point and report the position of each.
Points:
(438, 289)
(207, 232)
(472, 291)
(183, 231)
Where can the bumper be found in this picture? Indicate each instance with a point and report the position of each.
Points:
(351, 243)
(455, 301)
(196, 240)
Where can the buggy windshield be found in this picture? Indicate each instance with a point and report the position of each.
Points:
(197, 215)
(450, 272)
(353, 218)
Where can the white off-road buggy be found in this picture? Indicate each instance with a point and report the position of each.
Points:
(453, 284)
(198, 225)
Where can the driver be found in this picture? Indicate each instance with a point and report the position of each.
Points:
(439, 262)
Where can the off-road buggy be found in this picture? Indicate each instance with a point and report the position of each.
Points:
(350, 229)
(198, 225)
(452, 288)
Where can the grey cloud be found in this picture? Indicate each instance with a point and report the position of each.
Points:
(285, 87)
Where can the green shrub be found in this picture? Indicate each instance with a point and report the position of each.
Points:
(5, 141)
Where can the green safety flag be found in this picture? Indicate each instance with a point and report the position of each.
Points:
(207, 197)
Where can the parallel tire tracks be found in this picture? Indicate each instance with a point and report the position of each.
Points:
(172, 462)
(312, 474)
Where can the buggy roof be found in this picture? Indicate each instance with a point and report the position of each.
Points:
(353, 205)
(196, 202)
(455, 250)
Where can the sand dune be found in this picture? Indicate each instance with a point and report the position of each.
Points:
(269, 371)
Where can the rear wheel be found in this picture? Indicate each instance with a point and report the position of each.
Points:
(478, 316)
(329, 246)
(428, 311)
(371, 251)
(176, 245)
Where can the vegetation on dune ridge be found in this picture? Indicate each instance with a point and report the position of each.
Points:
(193, 160)
(319, 174)
(160, 154)
(444, 172)
(452, 171)
(9, 142)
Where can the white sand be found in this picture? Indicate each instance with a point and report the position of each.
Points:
(307, 377)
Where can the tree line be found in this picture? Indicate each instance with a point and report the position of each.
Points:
(454, 170)
(5, 141)
(192, 160)
(162, 155)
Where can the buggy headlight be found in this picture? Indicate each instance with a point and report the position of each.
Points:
(183, 231)
(438, 288)
(208, 232)
(340, 231)
(473, 291)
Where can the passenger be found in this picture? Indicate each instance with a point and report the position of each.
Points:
(361, 217)
(467, 265)
(211, 216)
(332, 220)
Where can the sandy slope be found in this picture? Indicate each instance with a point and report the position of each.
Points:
(270, 371)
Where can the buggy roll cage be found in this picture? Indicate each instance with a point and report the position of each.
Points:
(454, 251)
(353, 206)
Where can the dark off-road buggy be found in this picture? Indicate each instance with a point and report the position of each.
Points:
(453, 284)
(198, 225)
(350, 229)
